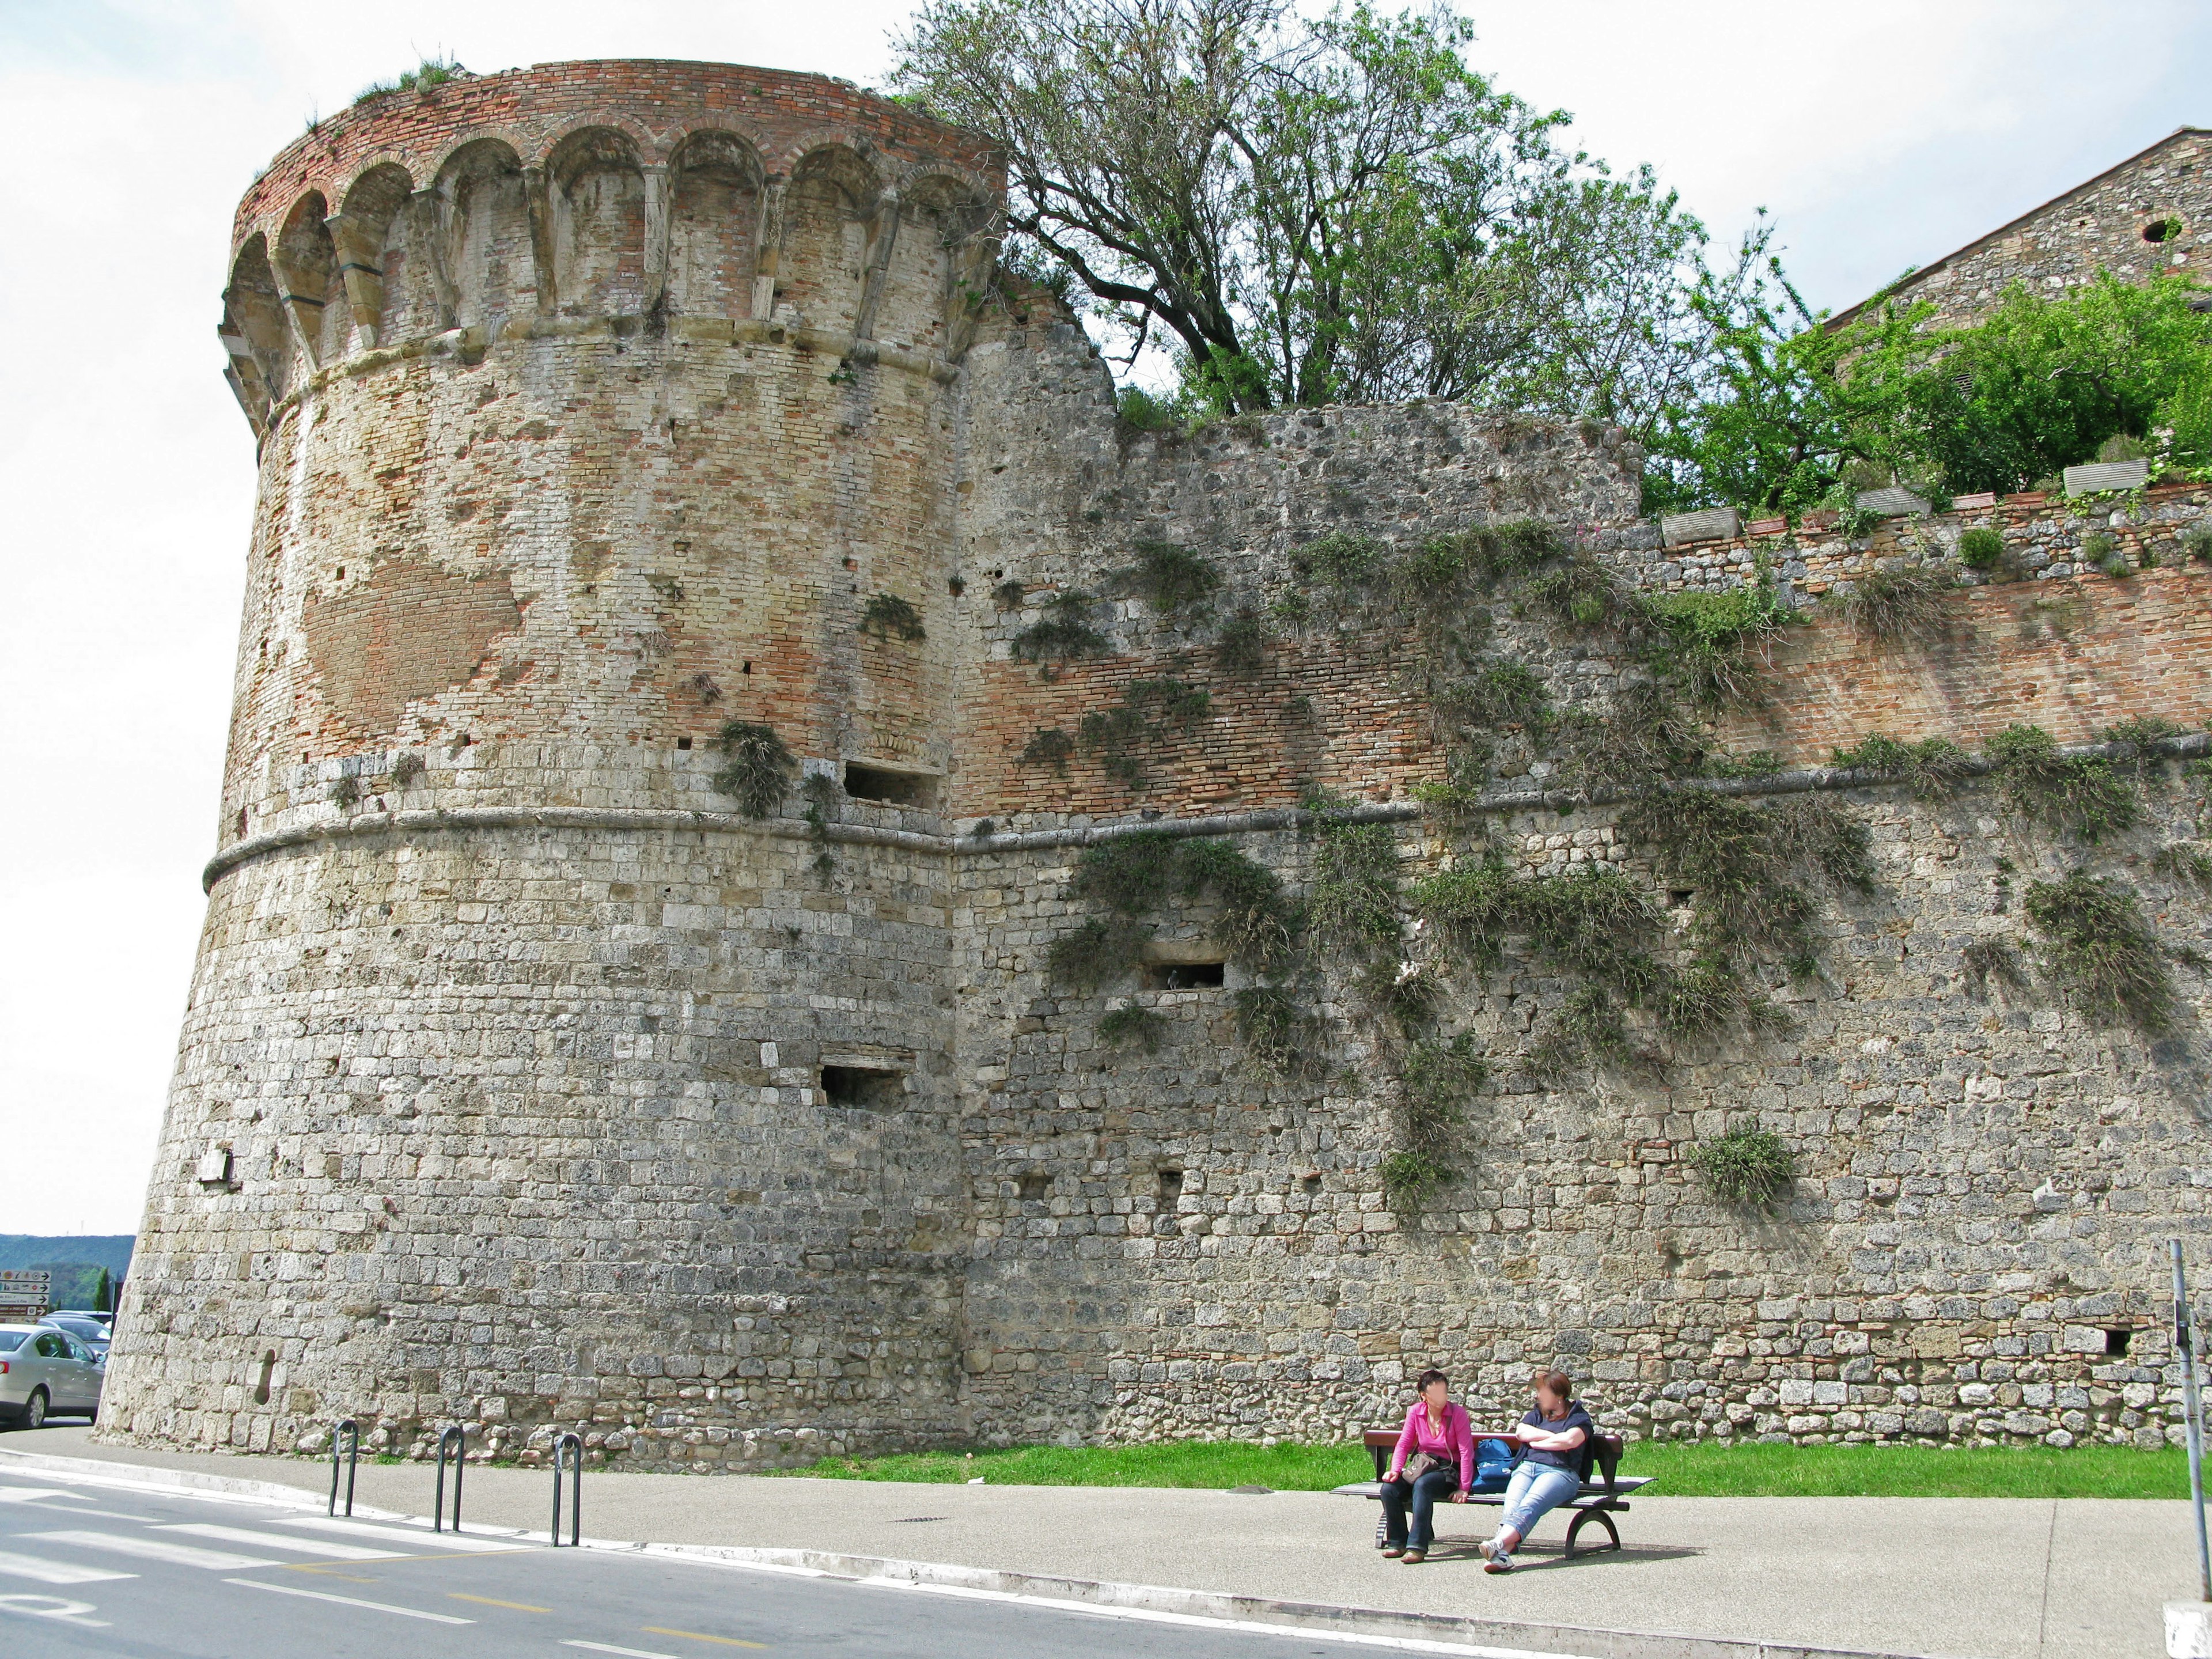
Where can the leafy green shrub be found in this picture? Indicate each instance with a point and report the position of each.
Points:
(1647, 735)
(1441, 1077)
(1351, 904)
(1113, 734)
(1133, 1023)
(1097, 951)
(1240, 649)
(1341, 559)
(1277, 1032)
(1981, 549)
(2144, 732)
(1138, 875)
(1746, 1166)
(1856, 523)
(1048, 746)
(1984, 960)
(1756, 764)
(430, 72)
(2083, 795)
(1930, 767)
(2188, 861)
(1583, 591)
(1167, 577)
(1740, 861)
(1498, 693)
(2103, 952)
(2196, 542)
(1063, 633)
(756, 768)
(1408, 1177)
(2102, 552)
(1901, 605)
(1140, 408)
(1713, 645)
(1711, 995)
(891, 617)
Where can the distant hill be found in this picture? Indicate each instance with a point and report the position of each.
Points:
(74, 1259)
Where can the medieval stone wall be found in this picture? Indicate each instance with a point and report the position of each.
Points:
(2099, 225)
(526, 1083)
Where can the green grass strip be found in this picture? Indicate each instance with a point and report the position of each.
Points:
(1682, 1470)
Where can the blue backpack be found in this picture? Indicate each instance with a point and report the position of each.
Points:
(1494, 1461)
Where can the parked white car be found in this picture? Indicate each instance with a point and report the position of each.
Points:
(46, 1372)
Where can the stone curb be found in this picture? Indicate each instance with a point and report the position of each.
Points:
(1496, 1639)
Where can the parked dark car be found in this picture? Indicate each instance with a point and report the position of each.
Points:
(88, 1328)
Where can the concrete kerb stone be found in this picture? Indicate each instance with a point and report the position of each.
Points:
(1491, 1638)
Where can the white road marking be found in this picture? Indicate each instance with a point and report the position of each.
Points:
(269, 1541)
(54, 1572)
(153, 1549)
(421, 1538)
(67, 1613)
(1205, 1621)
(352, 1601)
(32, 1494)
(630, 1653)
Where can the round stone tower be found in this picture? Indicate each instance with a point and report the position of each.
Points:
(524, 1082)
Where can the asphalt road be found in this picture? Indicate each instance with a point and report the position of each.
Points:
(108, 1568)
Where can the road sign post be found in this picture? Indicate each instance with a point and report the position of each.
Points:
(25, 1293)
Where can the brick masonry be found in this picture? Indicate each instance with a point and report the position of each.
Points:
(515, 1035)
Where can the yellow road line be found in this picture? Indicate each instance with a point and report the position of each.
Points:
(321, 1571)
(693, 1635)
(494, 1601)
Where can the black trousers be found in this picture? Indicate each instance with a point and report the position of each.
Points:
(1434, 1486)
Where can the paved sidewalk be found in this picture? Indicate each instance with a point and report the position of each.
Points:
(1992, 1578)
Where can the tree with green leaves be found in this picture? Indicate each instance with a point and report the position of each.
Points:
(1309, 211)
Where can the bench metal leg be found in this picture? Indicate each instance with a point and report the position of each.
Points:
(1582, 1518)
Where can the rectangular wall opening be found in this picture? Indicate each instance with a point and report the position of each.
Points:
(1170, 1188)
(1183, 976)
(889, 787)
(869, 1088)
(1036, 1188)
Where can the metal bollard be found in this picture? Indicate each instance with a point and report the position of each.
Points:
(457, 1436)
(351, 1430)
(574, 1445)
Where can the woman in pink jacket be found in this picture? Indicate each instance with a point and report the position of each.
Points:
(1438, 1443)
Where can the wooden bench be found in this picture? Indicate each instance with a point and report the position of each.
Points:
(1599, 1500)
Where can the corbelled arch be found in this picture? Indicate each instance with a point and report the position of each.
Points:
(253, 332)
(370, 211)
(602, 215)
(305, 262)
(940, 265)
(480, 236)
(834, 227)
(716, 183)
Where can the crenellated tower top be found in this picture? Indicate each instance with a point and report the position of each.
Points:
(598, 191)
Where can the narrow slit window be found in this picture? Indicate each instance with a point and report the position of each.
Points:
(867, 1088)
(1183, 976)
(891, 788)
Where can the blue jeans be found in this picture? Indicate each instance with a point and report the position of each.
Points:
(1535, 1491)
(1424, 1494)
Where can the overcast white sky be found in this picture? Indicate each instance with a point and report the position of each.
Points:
(1881, 135)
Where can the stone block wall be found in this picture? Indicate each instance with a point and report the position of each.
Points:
(557, 1093)
(2097, 226)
